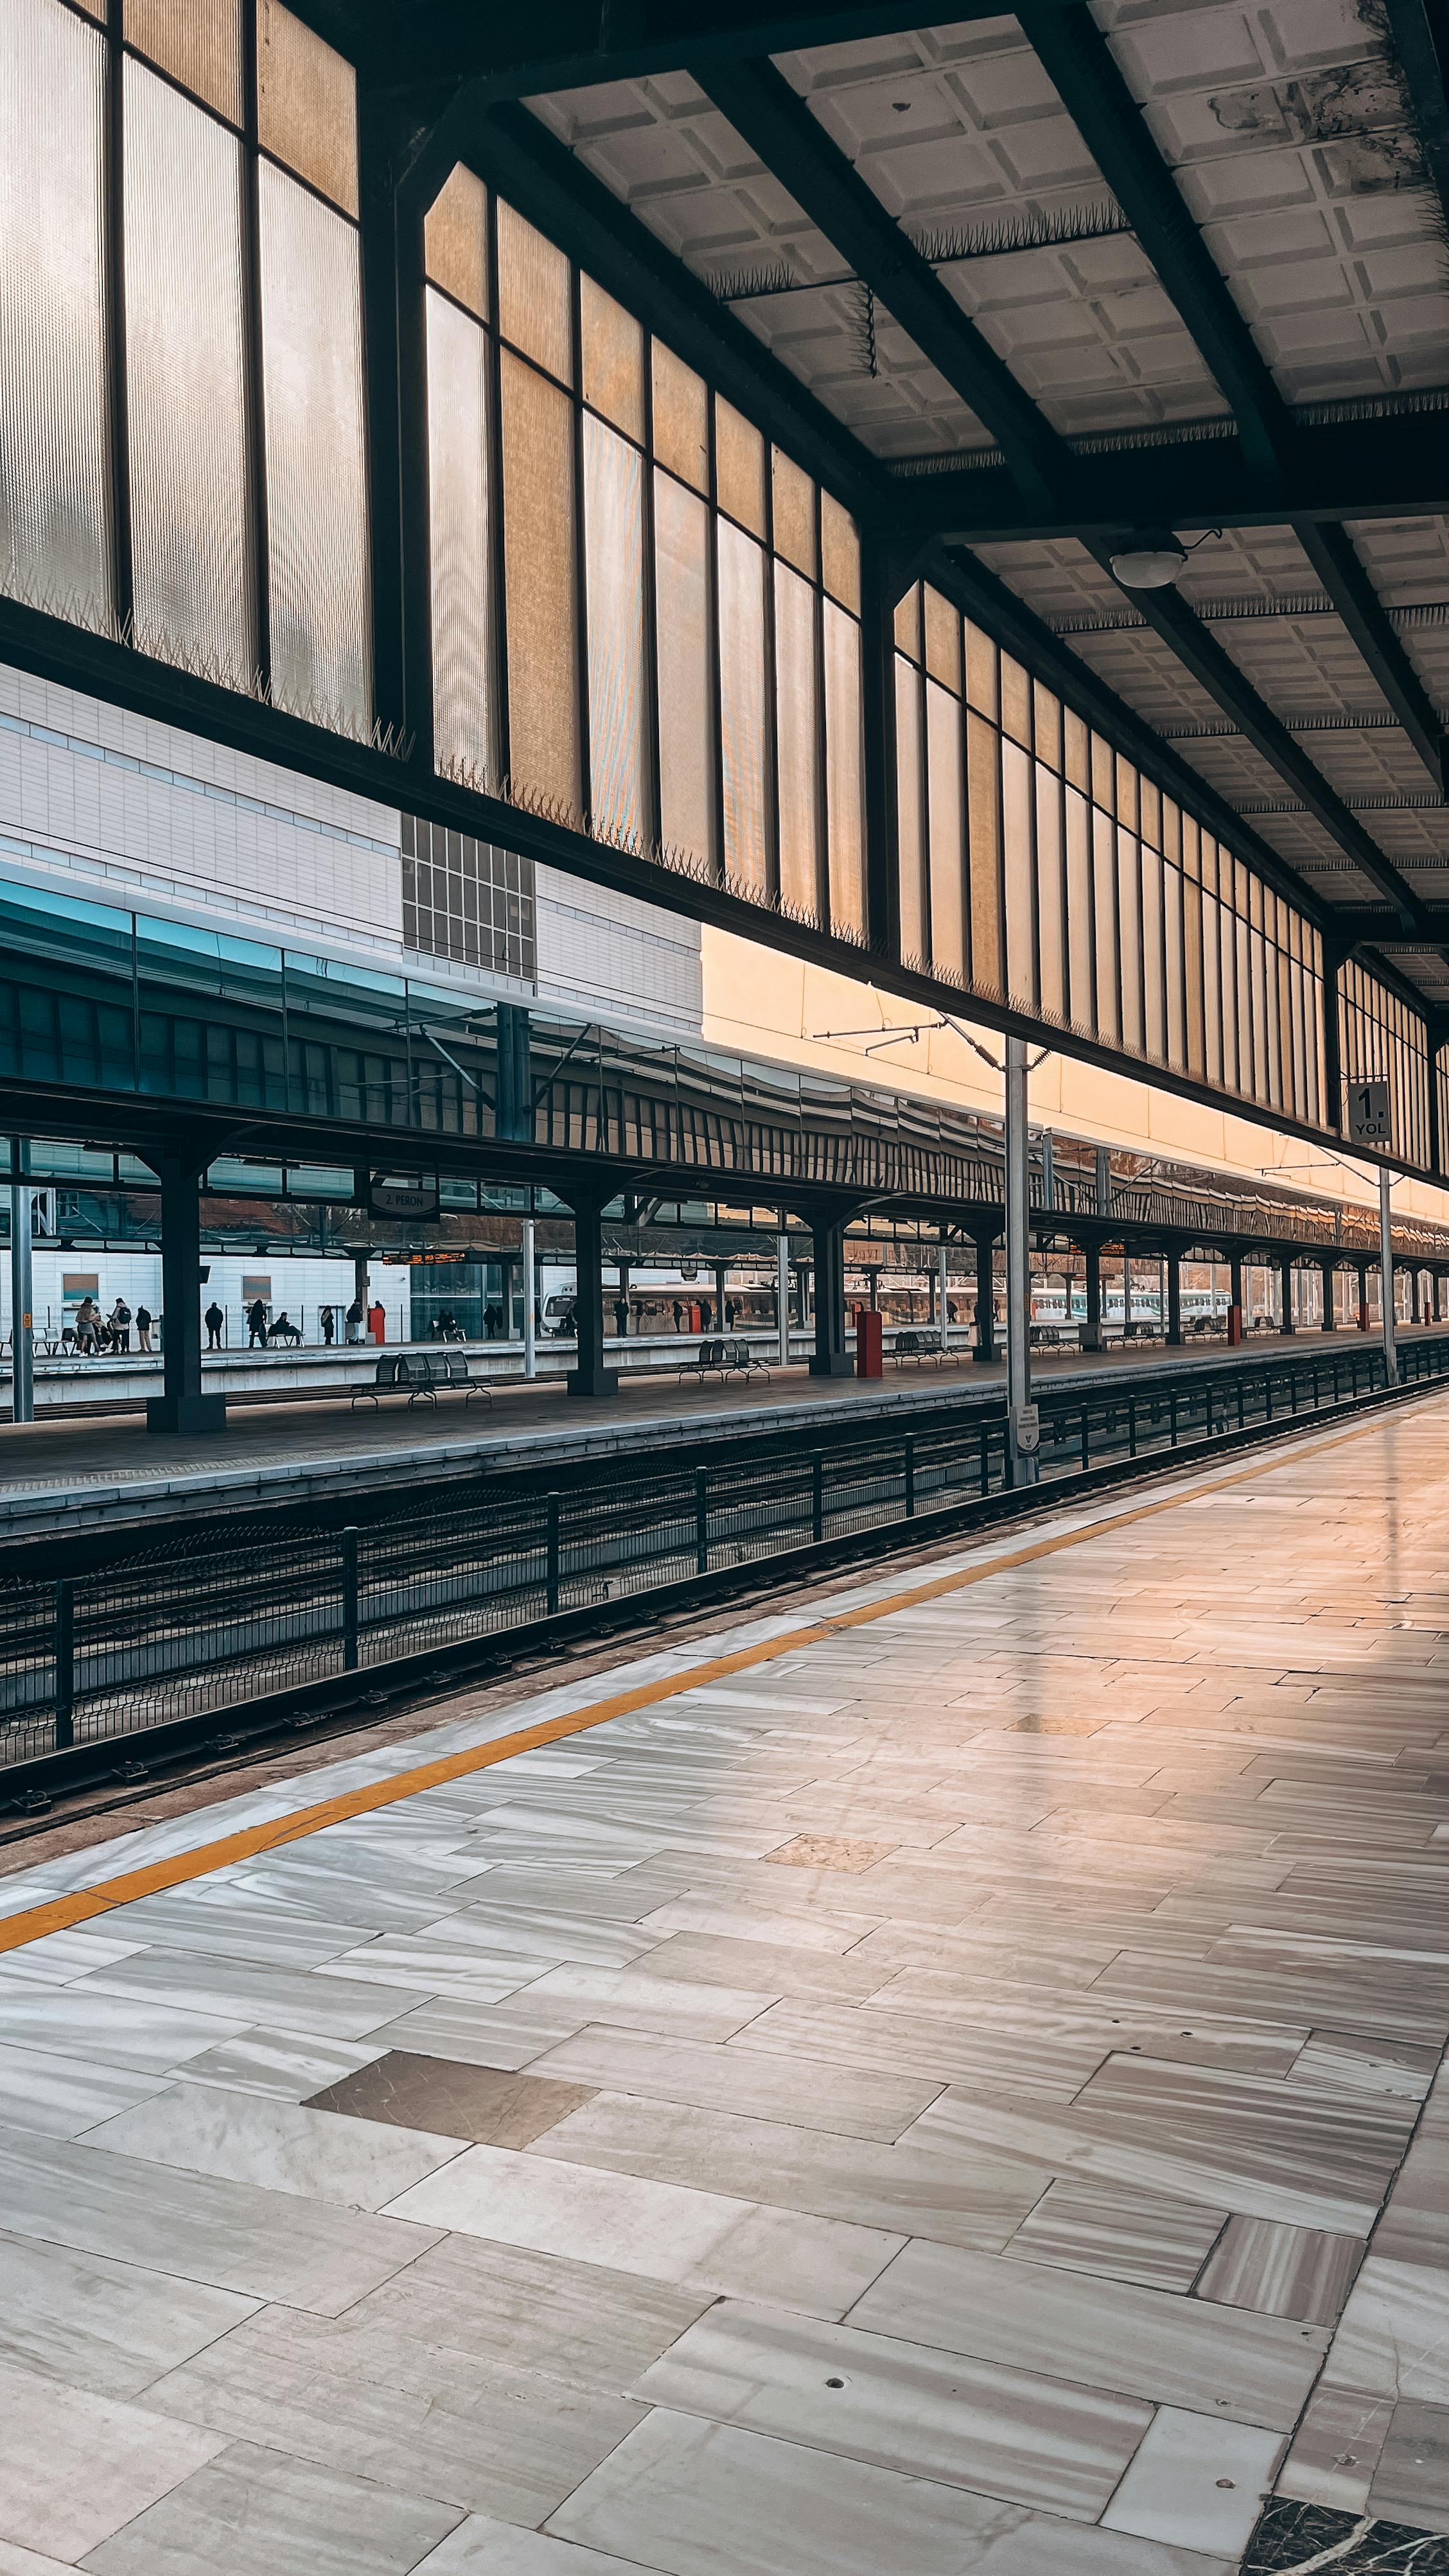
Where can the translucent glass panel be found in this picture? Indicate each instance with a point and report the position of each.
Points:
(541, 586)
(797, 735)
(739, 453)
(306, 104)
(844, 772)
(1382, 1040)
(945, 811)
(316, 493)
(613, 359)
(535, 294)
(186, 385)
(199, 42)
(744, 707)
(458, 476)
(792, 523)
(614, 566)
(686, 691)
(915, 938)
(54, 478)
(681, 417)
(455, 240)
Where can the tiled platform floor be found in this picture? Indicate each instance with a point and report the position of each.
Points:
(913, 2100)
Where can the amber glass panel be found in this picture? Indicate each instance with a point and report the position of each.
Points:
(614, 573)
(797, 722)
(1129, 933)
(980, 671)
(943, 640)
(1264, 1053)
(535, 294)
(1015, 701)
(1104, 891)
(1154, 1001)
(739, 465)
(839, 553)
(1279, 1071)
(1212, 987)
(455, 240)
(1104, 775)
(1126, 793)
(910, 818)
(686, 706)
(1172, 943)
(306, 104)
(844, 770)
(613, 359)
(1172, 831)
(1048, 719)
(458, 500)
(1050, 894)
(744, 723)
(908, 623)
(681, 417)
(1078, 764)
(1192, 947)
(946, 807)
(1082, 993)
(983, 788)
(793, 507)
(1191, 848)
(540, 576)
(1151, 805)
(1019, 872)
(199, 42)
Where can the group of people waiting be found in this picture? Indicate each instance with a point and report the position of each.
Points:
(97, 1336)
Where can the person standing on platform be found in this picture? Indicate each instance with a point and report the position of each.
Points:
(356, 1318)
(678, 1312)
(120, 1325)
(213, 1320)
(256, 1325)
(144, 1321)
(329, 1326)
(621, 1317)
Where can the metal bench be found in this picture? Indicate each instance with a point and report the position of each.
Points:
(422, 1376)
(917, 1346)
(724, 1358)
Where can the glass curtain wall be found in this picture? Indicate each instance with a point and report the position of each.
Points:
(1382, 1040)
(1041, 868)
(646, 618)
(182, 441)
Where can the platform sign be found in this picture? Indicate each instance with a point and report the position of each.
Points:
(1026, 1429)
(1369, 1113)
(402, 1198)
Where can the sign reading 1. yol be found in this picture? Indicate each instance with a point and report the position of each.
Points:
(1368, 1113)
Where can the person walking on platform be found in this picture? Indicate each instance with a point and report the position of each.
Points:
(257, 1325)
(144, 1321)
(87, 1316)
(213, 1320)
(120, 1325)
(356, 1318)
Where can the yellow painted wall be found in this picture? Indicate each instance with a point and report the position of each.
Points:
(764, 1003)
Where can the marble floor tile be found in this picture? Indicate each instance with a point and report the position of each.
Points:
(1335, 2451)
(1350, 2061)
(110, 2328)
(829, 1851)
(753, 2082)
(1125, 2235)
(637, 2000)
(691, 2498)
(1293, 2536)
(541, 2315)
(967, 2199)
(1411, 2480)
(278, 2146)
(1050, 2064)
(1031, 2439)
(80, 2021)
(506, 2035)
(59, 2096)
(1109, 2334)
(75, 2467)
(228, 2235)
(244, 1926)
(1281, 2271)
(1196, 2480)
(453, 2099)
(283, 2064)
(250, 1992)
(546, 1933)
(482, 2547)
(1392, 2339)
(253, 2512)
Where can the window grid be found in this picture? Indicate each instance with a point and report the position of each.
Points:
(1381, 1039)
(465, 900)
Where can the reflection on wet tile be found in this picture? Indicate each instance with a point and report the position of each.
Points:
(457, 2101)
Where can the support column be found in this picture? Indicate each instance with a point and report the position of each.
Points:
(1386, 1273)
(1285, 1272)
(182, 1407)
(1174, 1301)
(1021, 1435)
(1129, 1329)
(1363, 1304)
(984, 1346)
(1438, 1297)
(1414, 1294)
(589, 1376)
(1330, 1318)
(721, 1273)
(830, 1357)
(530, 1290)
(1236, 1317)
(782, 1294)
(943, 1310)
(1092, 1323)
(22, 1320)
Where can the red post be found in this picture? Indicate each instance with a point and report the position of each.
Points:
(1235, 1324)
(869, 1343)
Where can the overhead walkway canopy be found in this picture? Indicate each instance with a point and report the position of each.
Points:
(692, 449)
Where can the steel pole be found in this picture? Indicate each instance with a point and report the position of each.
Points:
(22, 1325)
(530, 1348)
(1025, 1464)
(1386, 1272)
(782, 1294)
(945, 1313)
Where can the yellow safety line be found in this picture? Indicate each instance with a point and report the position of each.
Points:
(84, 1904)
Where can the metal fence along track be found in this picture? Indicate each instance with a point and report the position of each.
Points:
(195, 1623)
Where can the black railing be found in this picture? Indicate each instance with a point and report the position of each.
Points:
(191, 1624)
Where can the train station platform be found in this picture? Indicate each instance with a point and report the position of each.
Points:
(463, 2158)
(75, 1472)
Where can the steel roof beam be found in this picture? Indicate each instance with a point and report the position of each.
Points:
(1083, 69)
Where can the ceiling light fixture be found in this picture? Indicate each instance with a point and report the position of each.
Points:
(1155, 563)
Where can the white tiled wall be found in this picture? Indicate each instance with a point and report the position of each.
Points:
(143, 812)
